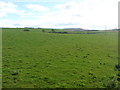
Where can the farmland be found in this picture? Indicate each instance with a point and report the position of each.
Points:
(36, 59)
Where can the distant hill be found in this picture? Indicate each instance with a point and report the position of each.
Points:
(77, 29)
(74, 29)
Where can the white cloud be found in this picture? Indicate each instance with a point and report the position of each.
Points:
(91, 12)
(37, 7)
(88, 14)
(37, 0)
(8, 7)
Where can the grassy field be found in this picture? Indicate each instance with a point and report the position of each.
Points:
(36, 59)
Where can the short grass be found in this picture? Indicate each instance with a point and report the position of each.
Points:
(36, 59)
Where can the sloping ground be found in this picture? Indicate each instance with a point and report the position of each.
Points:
(36, 59)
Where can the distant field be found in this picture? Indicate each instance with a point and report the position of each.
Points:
(36, 59)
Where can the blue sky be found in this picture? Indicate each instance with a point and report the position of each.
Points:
(87, 14)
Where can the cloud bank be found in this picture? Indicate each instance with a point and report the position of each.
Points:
(88, 14)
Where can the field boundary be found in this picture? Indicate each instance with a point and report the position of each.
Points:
(0, 58)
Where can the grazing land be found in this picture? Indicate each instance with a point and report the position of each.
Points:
(37, 59)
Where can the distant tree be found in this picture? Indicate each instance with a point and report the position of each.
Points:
(26, 30)
(43, 30)
(53, 30)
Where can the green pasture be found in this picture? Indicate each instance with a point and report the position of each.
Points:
(36, 59)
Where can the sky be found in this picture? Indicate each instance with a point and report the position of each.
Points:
(86, 14)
